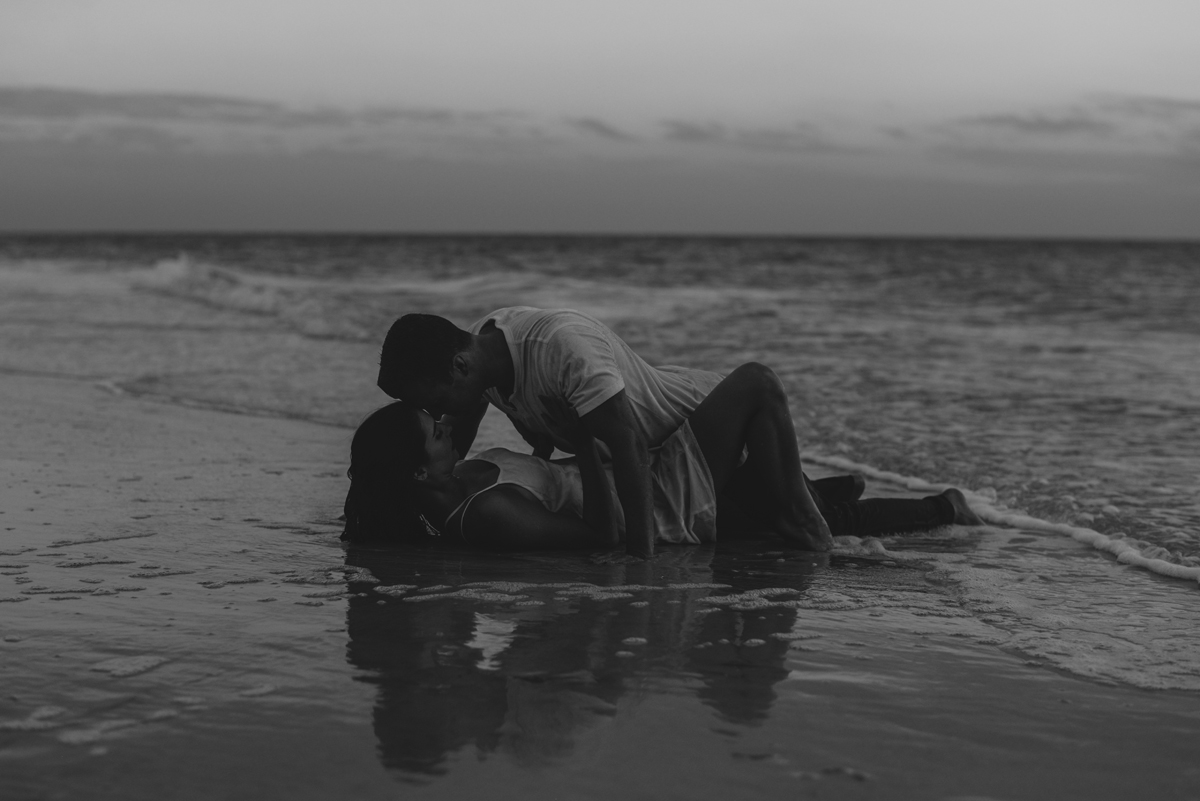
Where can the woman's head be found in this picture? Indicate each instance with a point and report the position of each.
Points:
(394, 450)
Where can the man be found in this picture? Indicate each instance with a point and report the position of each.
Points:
(550, 371)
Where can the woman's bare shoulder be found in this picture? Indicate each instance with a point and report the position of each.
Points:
(508, 517)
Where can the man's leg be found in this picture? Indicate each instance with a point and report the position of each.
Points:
(876, 516)
(749, 408)
(740, 505)
(838, 489)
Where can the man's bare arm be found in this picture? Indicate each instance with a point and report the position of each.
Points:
(543, 446)
(612, 423)
(598, 504)
(465, 427)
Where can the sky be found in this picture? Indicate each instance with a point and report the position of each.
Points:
(857, 117)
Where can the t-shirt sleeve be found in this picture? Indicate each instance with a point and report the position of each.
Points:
(590, 374)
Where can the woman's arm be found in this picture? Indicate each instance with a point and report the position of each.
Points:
(506, 518)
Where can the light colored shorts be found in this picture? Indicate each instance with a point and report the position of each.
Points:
(685, 500)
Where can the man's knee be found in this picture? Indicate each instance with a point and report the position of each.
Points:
(762, 381)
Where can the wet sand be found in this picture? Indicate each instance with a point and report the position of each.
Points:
(179, 620)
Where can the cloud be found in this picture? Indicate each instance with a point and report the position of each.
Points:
(794, 139)
(1048, 124)
(600, 128)
(40, 103)
(1146, 106)
(47, 103)
(1116, 126)
(64, 105)
(228, 124)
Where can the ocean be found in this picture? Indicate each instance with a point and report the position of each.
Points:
(1057, 383)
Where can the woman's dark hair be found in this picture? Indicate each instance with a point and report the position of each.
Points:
(386, 450)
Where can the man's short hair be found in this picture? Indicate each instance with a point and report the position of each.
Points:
(419, 346)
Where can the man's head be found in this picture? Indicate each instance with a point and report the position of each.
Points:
(428, 361)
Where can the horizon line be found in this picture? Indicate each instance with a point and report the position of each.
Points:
(515, 234)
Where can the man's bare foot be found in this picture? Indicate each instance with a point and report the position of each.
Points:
(963, 516)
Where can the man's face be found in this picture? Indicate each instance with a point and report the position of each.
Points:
(455, 396)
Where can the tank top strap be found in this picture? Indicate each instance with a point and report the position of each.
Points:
(461, 512)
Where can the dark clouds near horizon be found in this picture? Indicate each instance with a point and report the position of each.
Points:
(1114, 166)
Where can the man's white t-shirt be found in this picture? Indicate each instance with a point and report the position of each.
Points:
(570, 356)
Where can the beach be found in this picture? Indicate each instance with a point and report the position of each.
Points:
(180, 619)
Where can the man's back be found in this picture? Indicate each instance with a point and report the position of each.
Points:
(572, 357)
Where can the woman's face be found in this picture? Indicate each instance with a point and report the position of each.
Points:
(439, 448)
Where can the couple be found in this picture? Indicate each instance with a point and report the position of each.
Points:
(658, 452)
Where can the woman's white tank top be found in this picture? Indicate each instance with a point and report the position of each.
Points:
(558, 486)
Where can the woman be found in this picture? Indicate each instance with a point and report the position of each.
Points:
(407, 482)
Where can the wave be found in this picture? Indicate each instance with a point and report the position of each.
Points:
(259, 292)
(358, 308)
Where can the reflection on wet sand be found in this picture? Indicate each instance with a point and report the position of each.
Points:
(526, 681)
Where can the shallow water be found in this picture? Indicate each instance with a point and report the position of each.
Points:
(174, 594)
